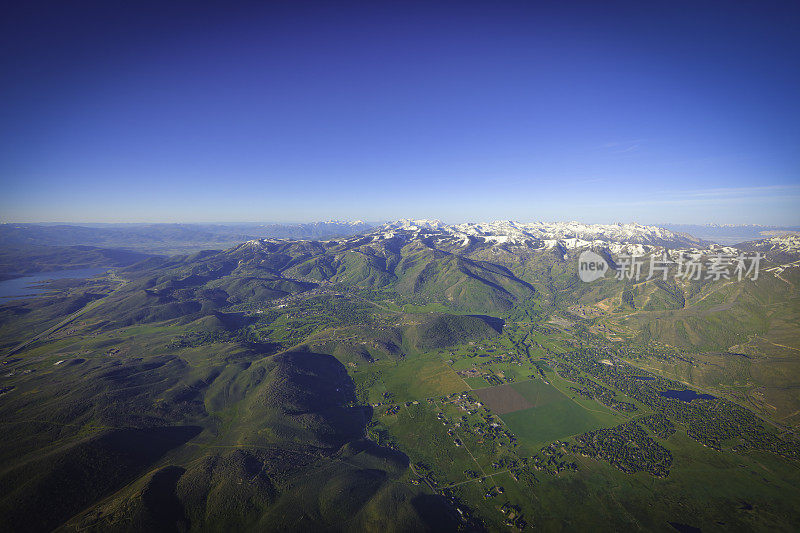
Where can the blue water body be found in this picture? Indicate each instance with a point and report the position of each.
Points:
(685, 395)
(24, 286)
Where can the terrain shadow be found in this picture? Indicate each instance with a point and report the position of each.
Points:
(495, 323)
(43, 492)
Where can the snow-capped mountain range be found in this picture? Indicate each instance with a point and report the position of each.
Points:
(523, 237)
(788, 243)
(617, 237)
(785, 243)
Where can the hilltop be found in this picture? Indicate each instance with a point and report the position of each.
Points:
(418, 376)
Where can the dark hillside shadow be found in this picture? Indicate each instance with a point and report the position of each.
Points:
(438, 515)
(47, 490)
(495, 323)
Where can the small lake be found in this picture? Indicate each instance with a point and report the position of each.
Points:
(685, 395)
(24, 286)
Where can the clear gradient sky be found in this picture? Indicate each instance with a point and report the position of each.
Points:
(684, 112)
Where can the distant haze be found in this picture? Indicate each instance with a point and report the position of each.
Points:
(186, 238)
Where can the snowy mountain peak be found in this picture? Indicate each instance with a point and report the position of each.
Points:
(409, 224)
(546, 234)
(787, 243)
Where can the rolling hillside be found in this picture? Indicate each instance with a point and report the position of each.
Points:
(306, 385)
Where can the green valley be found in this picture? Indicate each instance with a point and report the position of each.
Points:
(397, 382)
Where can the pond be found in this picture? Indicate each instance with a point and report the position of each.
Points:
(25, 286)
(685, 395)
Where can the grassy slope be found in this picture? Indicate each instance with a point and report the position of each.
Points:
(281, 429)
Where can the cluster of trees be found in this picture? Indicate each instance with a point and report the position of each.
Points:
(328, 310)
(592, 390)
(628, 295)
(649, 349)
(514, 516)
(304, 317)
(628, 447)
(379, 433)
(712, 422)
(488, 427)
(551, 459)
(363, 386)
(202, 338)
(674, 291)
(658, 424)
(342, 311)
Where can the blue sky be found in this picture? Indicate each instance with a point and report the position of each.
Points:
(297, 111)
